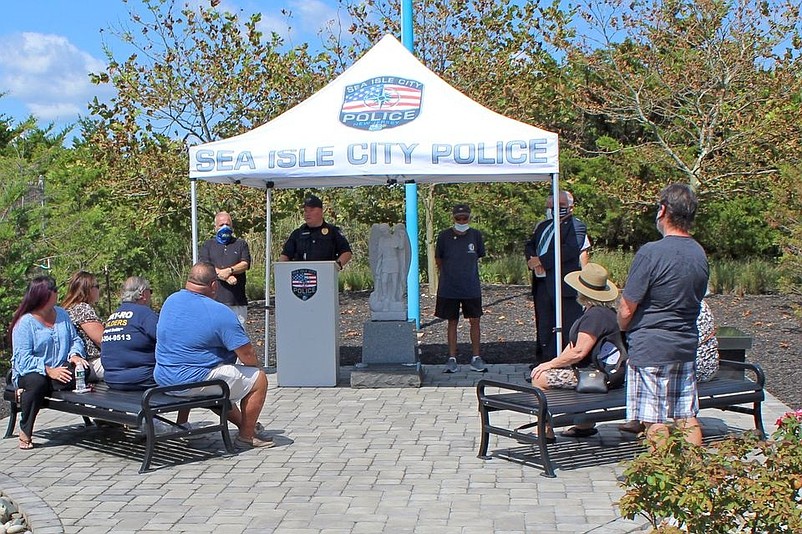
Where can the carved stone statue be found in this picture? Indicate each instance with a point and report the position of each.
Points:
(389, 253)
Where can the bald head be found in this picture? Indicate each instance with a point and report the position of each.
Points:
(201, 279)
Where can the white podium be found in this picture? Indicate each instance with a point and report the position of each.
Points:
(307, 323)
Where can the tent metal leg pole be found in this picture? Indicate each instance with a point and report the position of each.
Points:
(268, 227)
(193, 194)
(558, 271)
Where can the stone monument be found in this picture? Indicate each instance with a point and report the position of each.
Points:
(389, 340)
(389, 253)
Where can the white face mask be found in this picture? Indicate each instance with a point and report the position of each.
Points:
(461, 227)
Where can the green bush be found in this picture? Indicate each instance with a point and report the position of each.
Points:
(356, 276)
(509, 269)
(749, 277)
(740, 484)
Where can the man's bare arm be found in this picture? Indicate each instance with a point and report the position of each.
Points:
(247, 355)
(626, 310)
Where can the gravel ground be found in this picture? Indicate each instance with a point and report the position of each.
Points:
(508, 332)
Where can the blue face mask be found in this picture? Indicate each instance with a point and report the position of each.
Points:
(461, 227)
(225, 235)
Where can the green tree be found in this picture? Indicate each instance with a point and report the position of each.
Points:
(705, 82)
(26, 152)
(197, 75)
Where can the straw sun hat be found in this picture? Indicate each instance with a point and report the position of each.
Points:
(592, 282)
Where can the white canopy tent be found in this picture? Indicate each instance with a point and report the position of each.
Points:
(386, 119)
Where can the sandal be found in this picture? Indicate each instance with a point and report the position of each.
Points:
(25, 443)
(635, 427)
(578, 432)
(254, 443)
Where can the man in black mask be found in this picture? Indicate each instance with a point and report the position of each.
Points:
(231, 257)
(574, 245)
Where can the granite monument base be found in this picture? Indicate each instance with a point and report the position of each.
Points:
(389, 342)
(389, 356)
(387, 375)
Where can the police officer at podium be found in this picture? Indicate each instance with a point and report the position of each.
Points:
(316, 240)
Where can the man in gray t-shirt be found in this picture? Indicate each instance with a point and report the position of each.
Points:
(658, 310)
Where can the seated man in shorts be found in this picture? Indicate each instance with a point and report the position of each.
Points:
(198, 338)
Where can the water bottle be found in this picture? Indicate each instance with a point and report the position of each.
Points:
(80, 378)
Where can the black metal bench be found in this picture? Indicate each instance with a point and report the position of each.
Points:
(137, 409)
(560, 407)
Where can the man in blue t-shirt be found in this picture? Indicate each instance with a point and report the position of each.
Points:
(658, 310)
(198, 338)
(457, 254)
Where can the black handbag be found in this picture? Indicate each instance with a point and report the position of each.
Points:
(590, 380)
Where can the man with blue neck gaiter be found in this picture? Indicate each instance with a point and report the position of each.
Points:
(231, 257)
(457, 254)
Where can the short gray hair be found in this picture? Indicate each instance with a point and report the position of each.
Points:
(585, 301)
(133, 288)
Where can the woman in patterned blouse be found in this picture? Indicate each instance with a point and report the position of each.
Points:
(83, 292)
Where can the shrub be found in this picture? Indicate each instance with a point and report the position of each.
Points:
(740, 484)
(510, 269)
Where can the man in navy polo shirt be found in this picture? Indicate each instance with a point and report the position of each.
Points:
(457, 254)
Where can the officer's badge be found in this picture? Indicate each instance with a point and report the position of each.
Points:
(304, 283)
(324, 231)
(381, 102)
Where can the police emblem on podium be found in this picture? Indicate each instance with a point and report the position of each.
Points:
(304, 283)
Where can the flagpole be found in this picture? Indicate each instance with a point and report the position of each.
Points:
(411, 195)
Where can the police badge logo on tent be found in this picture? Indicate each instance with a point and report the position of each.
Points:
(304, 283)
(382, 102)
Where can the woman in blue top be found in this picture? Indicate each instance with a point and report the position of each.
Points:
(44, 343)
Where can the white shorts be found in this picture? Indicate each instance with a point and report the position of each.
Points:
(240, 380)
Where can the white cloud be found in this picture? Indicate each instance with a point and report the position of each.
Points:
(48, 74)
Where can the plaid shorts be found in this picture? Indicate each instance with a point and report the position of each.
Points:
(659, 393)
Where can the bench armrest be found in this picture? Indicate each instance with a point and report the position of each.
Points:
(522, 388)
(754, 368)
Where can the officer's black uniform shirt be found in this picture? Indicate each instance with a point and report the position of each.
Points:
(324, 243)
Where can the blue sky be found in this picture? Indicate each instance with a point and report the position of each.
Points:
(48, 48)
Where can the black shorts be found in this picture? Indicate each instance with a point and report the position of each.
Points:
(448, 309)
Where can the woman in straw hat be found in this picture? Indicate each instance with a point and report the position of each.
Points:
(597, 295)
